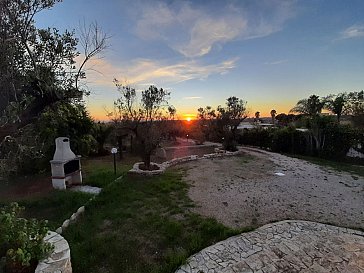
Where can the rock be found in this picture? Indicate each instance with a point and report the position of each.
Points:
(81, 210)
(59, 230)
(65, 224)
(161, 153)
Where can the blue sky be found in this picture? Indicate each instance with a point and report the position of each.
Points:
(270, 53)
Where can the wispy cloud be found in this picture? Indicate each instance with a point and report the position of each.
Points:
(193, 31)
(276, 62)
(354, 31)
(192, 98)
(145, 71)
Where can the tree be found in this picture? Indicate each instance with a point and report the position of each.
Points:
(101, 132)
(257, 117)
(93, 41)
(231, 116)
(273, 115)
(206, 122)
(37, 69)
(310, 107)
(285, 119)
(355, 107)
(336, 104)
(146, 119)
(172, 112)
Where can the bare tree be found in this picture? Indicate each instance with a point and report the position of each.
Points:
(93, 41)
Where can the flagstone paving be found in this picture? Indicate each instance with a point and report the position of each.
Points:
(287, 246)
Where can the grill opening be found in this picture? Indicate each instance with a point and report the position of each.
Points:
(71, 166)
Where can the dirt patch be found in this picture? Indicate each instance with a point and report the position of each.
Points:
(246, 191)
(25, 187)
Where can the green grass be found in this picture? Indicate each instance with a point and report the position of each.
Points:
(141, 224)
(57, 206)
(338, 166)
(99, 173)
(136, 224)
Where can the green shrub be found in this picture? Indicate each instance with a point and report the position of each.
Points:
(360, 141)
(289, 140)
(21, 239)
(257, 137)
(338, 140)
(229, 143)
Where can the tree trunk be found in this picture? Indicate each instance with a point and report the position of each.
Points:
(100, 149)
(146, 159)
(120, 145)
(131, 144)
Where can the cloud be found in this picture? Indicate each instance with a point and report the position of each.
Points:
(194, 31)
(276, 62)
(144, 72)
(354, 31)
(192, 98)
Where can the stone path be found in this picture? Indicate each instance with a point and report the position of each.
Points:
(287, 246)
(87, 189)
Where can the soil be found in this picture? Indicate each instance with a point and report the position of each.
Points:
(152, 167)
(245, 191)
(25, 187)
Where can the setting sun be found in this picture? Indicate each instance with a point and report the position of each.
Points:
(189, 117)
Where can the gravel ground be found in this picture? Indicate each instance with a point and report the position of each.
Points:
(245, 191)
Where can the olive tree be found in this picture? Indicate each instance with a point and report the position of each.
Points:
(145, 118)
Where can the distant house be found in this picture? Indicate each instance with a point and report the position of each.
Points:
(251, 125)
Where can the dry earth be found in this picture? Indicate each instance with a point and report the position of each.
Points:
(245, 191)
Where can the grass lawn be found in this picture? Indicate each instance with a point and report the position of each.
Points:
(57, 206)
(141, 224)
(337, 166)
(136, 224)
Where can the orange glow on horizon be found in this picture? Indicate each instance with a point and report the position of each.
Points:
(99, 114)
(189, 117)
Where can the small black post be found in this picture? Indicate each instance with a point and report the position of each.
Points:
(114, 152)
(114, 164)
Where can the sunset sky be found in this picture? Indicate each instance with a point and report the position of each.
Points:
(270, 53)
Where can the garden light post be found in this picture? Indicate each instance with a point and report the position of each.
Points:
(114, 152)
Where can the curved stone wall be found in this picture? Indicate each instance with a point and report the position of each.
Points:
(175, 161)
(60, 259)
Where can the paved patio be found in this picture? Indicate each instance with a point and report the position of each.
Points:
(286, 246)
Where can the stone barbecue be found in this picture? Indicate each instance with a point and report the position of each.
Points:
(66, 166)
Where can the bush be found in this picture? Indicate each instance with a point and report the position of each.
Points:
(256, 137)
(289, 140)
(229, 142)
(325, 139)
(338, 140)
(21, 240)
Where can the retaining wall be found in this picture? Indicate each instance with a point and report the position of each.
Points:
(60, 259)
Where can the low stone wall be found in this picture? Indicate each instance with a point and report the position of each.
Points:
(175, 161)
(354, 153)
(60, 259)
(72, 219)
